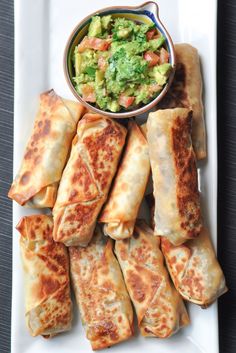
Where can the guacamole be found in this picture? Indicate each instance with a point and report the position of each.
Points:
(120, 64)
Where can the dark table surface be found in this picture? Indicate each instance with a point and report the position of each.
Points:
(226, 72)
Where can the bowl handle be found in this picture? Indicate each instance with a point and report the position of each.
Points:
(152, 7)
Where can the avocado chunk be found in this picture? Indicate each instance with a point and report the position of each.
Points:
(101, 99)
(124, 33)
(155, 44)
(160, 73)
(122, 28)
(113, 106)
(99, 77)
(160, 79)
(164, 68)
(143, 95)
(106, 20)
(95, 27)
(78, 63)
(130, 91)
(134, 47)
(87, 62)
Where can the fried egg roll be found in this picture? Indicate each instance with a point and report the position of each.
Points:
(174, 172)
(121, 209)
(86, 179)
(159, 307)
(186, 92)
(104, 304)
(47, 151)
(194, 269)
(48, 306)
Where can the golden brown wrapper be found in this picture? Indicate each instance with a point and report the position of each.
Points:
(120, 211)
(159, 307)
(174, 172)
(186, 92)
(48, 306)
(104, 304)
(46, 153)
(194, 269)
(86, 179)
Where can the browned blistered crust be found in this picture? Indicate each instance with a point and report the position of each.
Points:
(194, 269)
(100, 291)
(37, 181)
(188, 200)
(186, 92)
(87, 177)
(76, 222)
(102, 149)
(46, 270)
(159, 308)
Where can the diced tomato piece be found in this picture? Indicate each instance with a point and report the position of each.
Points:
(94, 43)
(126, 101)
(164, 56)
(102, 63)
(151, 58)
(150, 34)
(88, 93)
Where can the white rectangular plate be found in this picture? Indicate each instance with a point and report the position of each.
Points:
(41, 31)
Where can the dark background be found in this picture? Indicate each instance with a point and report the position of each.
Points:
(226, 71)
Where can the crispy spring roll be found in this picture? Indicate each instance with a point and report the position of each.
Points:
(48, 306)
(159, 307)
(194, 269)
(46, 153)
(193, 266)
(186, 92)
(121, 209)
(177, 201)
(100, 292)
(86, 180)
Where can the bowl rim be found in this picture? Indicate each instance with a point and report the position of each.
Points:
(130, 113)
